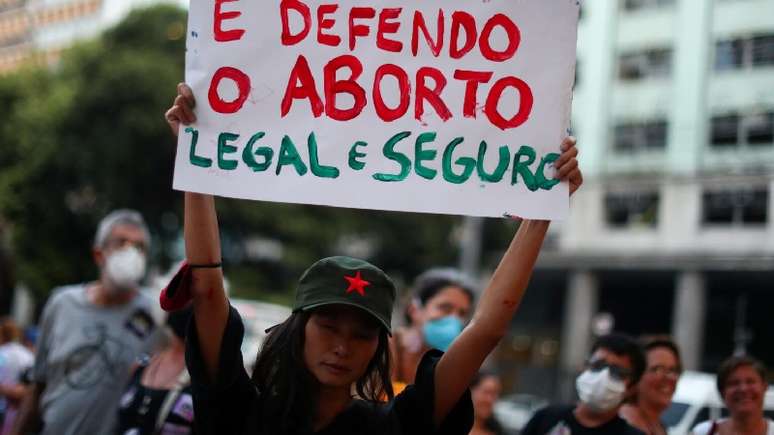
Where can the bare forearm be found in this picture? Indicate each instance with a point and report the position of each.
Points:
(202, 246)
(500, 299)
(202, 240)
(29, 413)
(503, 295)
(496, 308)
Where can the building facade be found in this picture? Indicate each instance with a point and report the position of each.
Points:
(673, 232)
(38, 30)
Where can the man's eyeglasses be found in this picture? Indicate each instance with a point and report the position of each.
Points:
(616, 371)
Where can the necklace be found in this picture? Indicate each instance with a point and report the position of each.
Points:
(653, 429)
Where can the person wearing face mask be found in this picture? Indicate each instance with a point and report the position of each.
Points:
(656, 388)
(91, 335)
(742, 384)
(442, 299)
(610, 377)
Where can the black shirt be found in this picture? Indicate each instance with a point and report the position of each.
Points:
(139, 409)
(560, 420)
(232, 404)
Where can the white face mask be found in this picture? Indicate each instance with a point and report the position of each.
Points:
(125, 267)
(599, 391)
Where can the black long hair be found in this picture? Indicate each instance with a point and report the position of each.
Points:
(290, 391)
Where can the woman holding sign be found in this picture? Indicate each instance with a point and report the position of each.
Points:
(326, 369)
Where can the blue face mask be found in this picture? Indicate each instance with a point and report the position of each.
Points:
(440, 333)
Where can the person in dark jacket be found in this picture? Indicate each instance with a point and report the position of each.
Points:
(611, 375)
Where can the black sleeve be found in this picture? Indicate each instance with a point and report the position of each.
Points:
(631, 430)
(415, 405)
(545, 419)
(534, 423)
(223, 406)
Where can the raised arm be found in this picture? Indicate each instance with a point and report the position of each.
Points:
(499, 301)
(202, 247)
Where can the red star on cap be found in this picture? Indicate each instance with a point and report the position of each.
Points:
(356, 284)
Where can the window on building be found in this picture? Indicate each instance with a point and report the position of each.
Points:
(725, 131)
(743, 206)
(635, 5)
(748, 52)
(763, 50)
(647, 64)
(759, 129)
(631, 209)
(642, 136)
(729, 54)
(742, 130)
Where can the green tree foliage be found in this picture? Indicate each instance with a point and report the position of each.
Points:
(403, 244)
(85, 138)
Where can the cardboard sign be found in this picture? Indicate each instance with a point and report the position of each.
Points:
(441, 106)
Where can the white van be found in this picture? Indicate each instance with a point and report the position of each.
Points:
(696, 399)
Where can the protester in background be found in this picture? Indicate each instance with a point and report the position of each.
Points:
(335, 341)
(15, 359)
(440, 306)
(741, 382)
(158, 398)
(485, 392)
(30, 338)
(656, 388)
(91, 335)
(611, 375)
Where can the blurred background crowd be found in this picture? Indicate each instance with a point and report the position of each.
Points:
(673, 233)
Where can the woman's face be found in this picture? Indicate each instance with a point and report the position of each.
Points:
(485, 395)
(339, 343)
(659, 381)
(744, 391)
(449, 301)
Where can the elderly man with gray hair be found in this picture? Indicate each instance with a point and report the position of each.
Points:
(91, 334)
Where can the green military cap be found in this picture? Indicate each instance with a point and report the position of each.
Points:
(347, 281)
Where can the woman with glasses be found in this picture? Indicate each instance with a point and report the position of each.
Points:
(742, 384)
(656, 387)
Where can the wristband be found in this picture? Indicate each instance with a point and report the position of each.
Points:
(206, 266)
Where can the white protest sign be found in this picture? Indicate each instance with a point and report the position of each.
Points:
(440, 106)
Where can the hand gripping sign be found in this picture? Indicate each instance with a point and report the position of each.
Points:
(441, 106)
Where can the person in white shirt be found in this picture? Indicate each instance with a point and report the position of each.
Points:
(91, 335)
(15, 359)
(742, 385)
